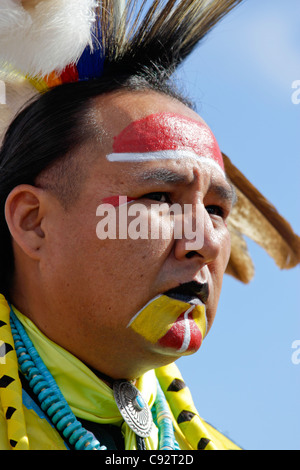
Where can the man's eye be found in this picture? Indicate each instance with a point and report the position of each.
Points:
(160, 197)
(216, 210)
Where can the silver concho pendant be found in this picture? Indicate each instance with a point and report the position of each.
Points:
(133, 407)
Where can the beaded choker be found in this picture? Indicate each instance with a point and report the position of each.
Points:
(53, 403)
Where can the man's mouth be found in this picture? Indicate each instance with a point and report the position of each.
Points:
(192, 292)
(174, 320)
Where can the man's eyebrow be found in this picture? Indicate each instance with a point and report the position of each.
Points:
(226, 192)
(163, 175)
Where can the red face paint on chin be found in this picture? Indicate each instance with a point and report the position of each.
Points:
(167, 131)
(116, 201)
(175, 338)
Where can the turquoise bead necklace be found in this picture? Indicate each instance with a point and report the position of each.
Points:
(53, 403)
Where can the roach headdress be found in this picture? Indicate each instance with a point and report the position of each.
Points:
(45, 43)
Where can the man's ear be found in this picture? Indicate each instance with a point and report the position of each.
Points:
(24, 216)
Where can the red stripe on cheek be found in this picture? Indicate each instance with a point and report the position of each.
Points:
(116, 201)
(167, 131)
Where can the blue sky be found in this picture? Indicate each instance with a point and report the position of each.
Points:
(243, 379)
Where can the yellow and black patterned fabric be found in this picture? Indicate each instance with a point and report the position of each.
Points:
(199, 434)
(10, 385)
(24, 426)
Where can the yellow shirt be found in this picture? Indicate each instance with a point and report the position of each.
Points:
(89, 398)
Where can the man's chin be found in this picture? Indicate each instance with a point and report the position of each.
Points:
(170, 326)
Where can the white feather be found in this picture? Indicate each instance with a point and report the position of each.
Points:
(39, 36)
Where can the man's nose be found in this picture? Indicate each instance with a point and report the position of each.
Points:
(199, 236)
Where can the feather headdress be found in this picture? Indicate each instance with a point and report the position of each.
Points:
(44, 43)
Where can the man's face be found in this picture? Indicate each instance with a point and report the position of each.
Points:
(98, 285)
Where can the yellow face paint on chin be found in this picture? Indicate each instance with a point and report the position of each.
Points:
(171, 324)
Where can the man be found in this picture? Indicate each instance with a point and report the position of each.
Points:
(78, 272)
(61, 265)
(108, 316)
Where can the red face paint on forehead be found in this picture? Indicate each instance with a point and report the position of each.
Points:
(168, 131)
(117, 200)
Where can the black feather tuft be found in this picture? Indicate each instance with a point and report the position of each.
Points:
(158, 37)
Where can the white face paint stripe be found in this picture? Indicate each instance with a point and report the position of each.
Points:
(148, 156)
(187, 332)
(137, 314)
(162, 155)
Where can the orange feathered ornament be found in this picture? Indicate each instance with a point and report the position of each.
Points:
(255, 217)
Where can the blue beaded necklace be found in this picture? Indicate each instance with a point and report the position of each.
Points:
(53, 403)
